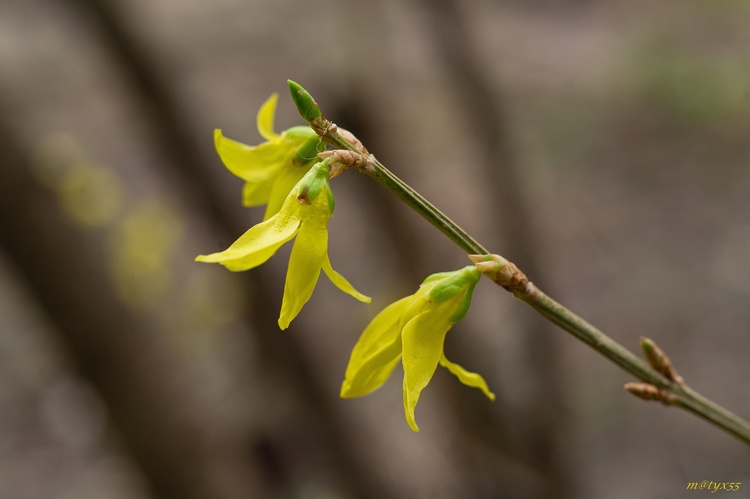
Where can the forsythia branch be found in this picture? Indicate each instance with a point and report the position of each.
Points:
(659, 379)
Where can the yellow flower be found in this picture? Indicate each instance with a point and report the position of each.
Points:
(272, 168)
(414, 330)
(305, 214)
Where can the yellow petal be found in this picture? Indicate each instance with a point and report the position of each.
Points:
(340, 282)
(467, 378)
(265, 118)
(259, 243)
(258, 193)
(305, 263)
(282, 185)
(253, 163)
(422, 340)
(376, 353)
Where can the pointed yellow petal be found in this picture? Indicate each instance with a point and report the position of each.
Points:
(259, 243)
(342, 283)
(266, 117)
(282, 185)
(307, 257)
(258, 193)
(467, 378)
(376, 353)
(253, 163)
(422, 340)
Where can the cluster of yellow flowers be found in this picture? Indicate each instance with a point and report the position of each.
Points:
(286, 175)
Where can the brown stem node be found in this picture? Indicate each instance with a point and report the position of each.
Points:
(353, 140)
(342, 159)
(502, 271)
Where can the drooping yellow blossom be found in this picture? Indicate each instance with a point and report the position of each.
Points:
(414, 330)
(271, 169)
(305, 214)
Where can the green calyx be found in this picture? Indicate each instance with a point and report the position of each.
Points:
(298, 132)
(306, 105)
(308, 151)
(452, 283)
(314, 182)
(455, 285)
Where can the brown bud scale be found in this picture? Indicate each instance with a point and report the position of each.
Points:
(342, 159)
(659, 360)
(354, 141)
(647, 391)
(502, 271)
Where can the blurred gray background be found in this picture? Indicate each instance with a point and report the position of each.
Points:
(602, 146)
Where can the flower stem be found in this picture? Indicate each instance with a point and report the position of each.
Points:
(678, 393)
(405, 193)
(412, 198)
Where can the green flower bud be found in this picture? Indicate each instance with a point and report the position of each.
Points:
(306, 105)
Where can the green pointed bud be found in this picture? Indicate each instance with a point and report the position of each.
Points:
(306, 105)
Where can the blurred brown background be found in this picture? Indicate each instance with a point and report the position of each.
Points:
(602, 146)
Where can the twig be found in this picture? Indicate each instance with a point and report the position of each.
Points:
(675, 391)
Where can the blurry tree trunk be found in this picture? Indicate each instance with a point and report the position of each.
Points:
(315, 441)
(518, 461)
(487, 117)
(66, 272)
